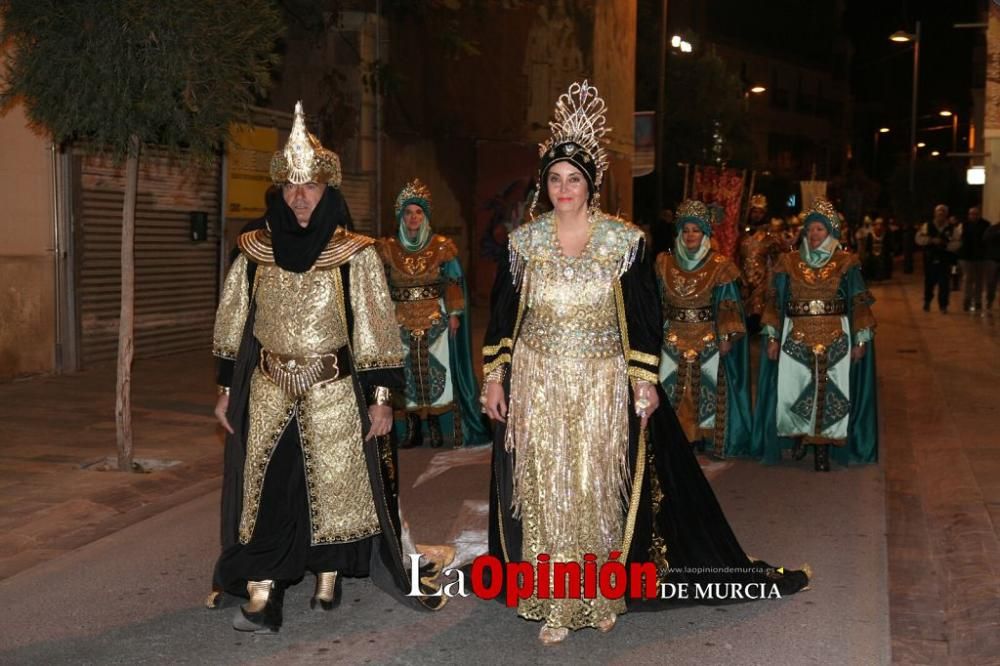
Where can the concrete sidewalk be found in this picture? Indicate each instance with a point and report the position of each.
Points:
(55, 427)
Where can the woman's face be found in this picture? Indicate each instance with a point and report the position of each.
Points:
(816, 233)
(567, 188)
(413, 217)
(692, 235)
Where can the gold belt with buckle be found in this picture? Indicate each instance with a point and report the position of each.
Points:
(689, 315)
(816, 308)
(419, 293)
(297, 374)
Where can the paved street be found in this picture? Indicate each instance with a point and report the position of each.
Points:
(101, 567)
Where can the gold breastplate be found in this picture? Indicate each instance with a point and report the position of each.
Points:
(298, 313)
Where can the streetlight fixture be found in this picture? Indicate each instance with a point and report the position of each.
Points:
(903, 37)
(758, 89)
(921, 145)
(935, 153)
(686, 47)
(883, 130)
(947, 113)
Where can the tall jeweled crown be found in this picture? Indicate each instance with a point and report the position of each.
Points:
(696, 209)
(580, 123)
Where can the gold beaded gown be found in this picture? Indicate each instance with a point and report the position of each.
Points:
(572, 472)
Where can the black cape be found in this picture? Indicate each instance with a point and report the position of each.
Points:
(386, 566)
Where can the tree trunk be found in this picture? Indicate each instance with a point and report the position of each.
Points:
(123, 392)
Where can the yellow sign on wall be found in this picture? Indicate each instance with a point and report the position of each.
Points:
(248, 174)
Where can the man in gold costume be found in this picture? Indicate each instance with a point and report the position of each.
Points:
(759, 249)
(428, 292)
(309, 354)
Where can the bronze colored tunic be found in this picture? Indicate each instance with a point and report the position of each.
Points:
(691, 334)
(303, 315)
(820, 336)
(424, 298)
(758, 252)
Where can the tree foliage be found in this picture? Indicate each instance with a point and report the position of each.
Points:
(171, 72)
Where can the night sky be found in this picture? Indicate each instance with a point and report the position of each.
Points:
(881, 71)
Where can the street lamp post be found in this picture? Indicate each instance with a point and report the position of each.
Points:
(901, 36)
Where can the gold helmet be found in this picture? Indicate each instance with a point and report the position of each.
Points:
(304, 159)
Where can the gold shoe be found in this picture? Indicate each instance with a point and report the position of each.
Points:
(439, 558)
(327, 595)
(552, 635)
(606, 625)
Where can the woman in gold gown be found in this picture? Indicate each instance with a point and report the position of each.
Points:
(570, 374)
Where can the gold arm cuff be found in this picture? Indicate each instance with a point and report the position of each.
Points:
(498, 362)
(640, 373)
(644, 358)
(505, 343)
(222, 390)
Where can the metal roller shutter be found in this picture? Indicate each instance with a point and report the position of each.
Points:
(175, 292)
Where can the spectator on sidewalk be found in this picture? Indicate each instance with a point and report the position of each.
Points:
(972, 258)
(940, 240)
(991, 253)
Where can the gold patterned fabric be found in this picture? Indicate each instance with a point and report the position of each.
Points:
(376, 338)
(341, 507)
(758, 253)
(568, 413)
(808, 285)
(232, 312)
(412, 273)
(687, 339)
(303, 315)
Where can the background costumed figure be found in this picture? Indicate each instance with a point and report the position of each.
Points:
(817, 374)
(431, 304)
(704, 359)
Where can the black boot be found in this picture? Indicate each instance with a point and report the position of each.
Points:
(262, 614)
(799, 449)
(434, 428)
(327, 595)
(822, 452)
(412, 437)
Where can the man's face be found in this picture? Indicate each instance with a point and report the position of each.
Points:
(413, 217)
(940, 213)
(974, 214)
(756, 215)
(302, 199)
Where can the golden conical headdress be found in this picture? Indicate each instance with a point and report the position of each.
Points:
(304, 159)
(579, 126)
(823, 210)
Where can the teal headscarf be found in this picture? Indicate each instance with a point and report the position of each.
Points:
(416, 193)
(822, 211)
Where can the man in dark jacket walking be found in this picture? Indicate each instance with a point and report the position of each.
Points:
(972, 259)
(940, 240)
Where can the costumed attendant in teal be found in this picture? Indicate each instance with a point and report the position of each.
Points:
(817, 371)
(429, 294)
(704, 360)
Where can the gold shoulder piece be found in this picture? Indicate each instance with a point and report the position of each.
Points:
(846, 260)
(256, 245)
(344, 245)
(446, 247)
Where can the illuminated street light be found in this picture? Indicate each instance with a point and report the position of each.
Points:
(883, 130)
(900, 36)
(758, 89)
(685, 47)
(675, 41)
(935, 153)
(921, 145)
(945, 113)
(975, 175)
